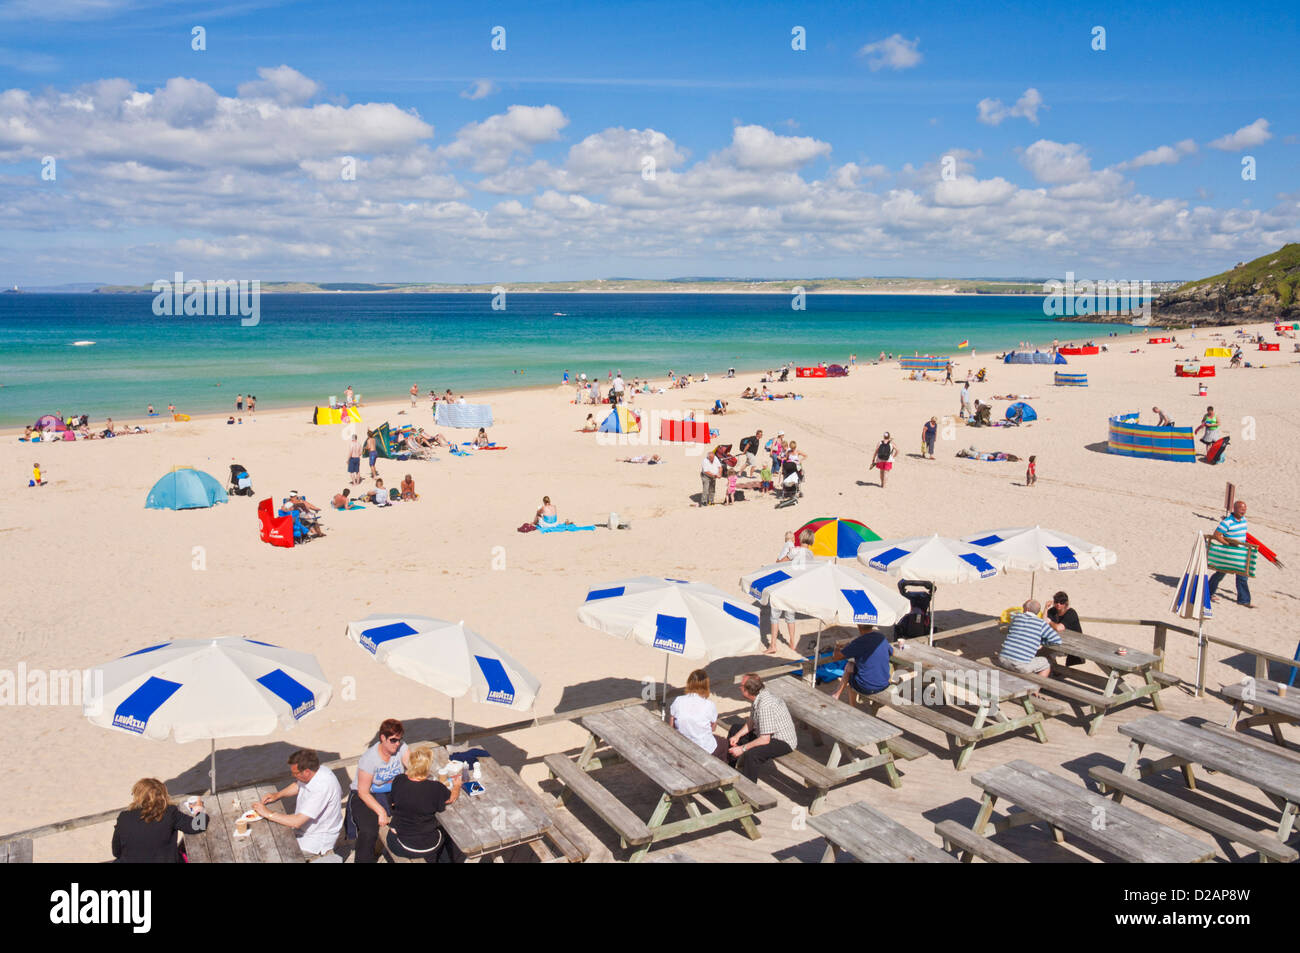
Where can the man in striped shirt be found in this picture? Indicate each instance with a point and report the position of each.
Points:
(1231, 531)
(1025, 636)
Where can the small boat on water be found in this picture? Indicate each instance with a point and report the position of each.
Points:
(82, 343)
(559, 314)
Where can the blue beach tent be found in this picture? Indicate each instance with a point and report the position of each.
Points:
(185, 488)
(1030, 413)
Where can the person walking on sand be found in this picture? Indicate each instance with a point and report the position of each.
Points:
(354, 461)
(710, 470)
(252, 404)
(415, 394)
(1210, 424)
(1031, 471)
(1232, 531)
(372, 452)
(965, 399)
(928, 433)
(885, 454)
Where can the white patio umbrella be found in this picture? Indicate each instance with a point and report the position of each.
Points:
(191, 689)
(447, 657)
(691, 620)
(934, 559)
(832, 592)
(1032, 548)
(1192, 601)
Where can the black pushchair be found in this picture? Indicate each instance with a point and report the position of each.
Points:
(916, 624)
(785, 375)
(240, 482)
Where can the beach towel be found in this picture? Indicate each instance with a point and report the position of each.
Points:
(563, 528)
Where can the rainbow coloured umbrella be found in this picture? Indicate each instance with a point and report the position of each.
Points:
(833, 536)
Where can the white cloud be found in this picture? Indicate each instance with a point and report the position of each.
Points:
(489, 145)
(1161, 155)
(1056, 163)
(967, 191)
(1244, 138)
(991, 112)
(280, 84)
(893, 52)
(481, 89)
(756, 147)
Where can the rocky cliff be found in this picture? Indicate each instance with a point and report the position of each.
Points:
(1266, 289)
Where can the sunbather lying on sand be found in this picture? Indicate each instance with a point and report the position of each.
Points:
(652, 459)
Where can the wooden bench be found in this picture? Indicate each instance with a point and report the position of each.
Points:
(1074, 693)
(569, 837)
(630, 828)
(16, 851)
(1268, 846)
(966, 844)
(937, 719)
(752, 794)
(1164, 678)
(810, 770)
(907, 750)
(871, 837)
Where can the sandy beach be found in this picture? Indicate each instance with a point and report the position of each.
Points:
(93, 575)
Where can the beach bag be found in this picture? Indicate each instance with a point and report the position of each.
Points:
(1239, 560)
(527, 528)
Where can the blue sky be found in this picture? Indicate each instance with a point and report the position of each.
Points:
(769, 161)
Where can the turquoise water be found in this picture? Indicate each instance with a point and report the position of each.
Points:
(308, 347)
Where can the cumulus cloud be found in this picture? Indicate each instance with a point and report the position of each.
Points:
(1244, 138)
(1161, 155)
(991, 112)
(757, 147)
(248, 185)
(280, 84)
(489, 145)
(481, 89)
(1056, 163)
(893, 52)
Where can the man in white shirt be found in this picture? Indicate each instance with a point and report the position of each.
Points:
(318, 815)
(618, 388)
(710, 470)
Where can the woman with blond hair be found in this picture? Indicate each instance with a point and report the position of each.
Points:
(146, 831)
(694, 714)
(417, 801)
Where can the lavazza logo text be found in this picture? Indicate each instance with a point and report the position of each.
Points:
(74, 906)
(208, 299)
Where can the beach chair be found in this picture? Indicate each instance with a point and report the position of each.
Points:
(276, 531)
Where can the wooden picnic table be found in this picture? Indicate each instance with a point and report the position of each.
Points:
(961, 684)
(1276, 774)
(1102, 693)
(507, 814)
(265, 843)
(681, 769)
(1069, 808)
(872, 838)
(1263, 704)
(864, 738)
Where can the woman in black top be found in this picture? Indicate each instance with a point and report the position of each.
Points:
(415, 802)
(146, 831)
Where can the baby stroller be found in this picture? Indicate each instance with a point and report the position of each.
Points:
(785, 375)
(916, 624)
(790, 486)
(240, 482)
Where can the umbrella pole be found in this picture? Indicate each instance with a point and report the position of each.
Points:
(212, 769)
(1200, 658)
(1032, 577)
(817, 651)
(936, 589)
(453, 721)
(663, 705)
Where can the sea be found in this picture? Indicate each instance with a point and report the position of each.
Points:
(306, 348)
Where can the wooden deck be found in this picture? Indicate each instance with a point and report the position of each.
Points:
(931, 792)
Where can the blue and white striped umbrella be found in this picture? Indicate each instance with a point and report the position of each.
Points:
(1192, 600)
(192, 689)
(827, 590)
(691, 620)
(932, 558)
(1032, 548)
(447, 657)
